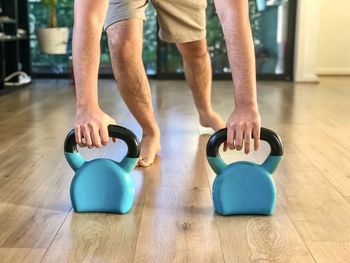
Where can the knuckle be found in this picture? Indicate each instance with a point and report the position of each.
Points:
(91, 125)
(99, 123)
(242, 123)
(231, 125)
(239, 131)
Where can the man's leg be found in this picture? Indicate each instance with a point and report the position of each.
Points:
(125, 44)
(198, 75)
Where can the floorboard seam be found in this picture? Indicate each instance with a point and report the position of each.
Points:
(322, 173)
(138, 230)
(53, 239)
(215, 219)
(296, 229)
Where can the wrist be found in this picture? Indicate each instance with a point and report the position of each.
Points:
(245, 97)
(86, 105)
(250, 105)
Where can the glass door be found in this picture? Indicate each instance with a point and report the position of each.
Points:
(272, 24)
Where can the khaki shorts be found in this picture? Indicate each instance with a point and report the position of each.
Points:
(179, 20)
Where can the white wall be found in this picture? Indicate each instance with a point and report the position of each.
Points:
(333, 56)
(322, 39)
(306, 37)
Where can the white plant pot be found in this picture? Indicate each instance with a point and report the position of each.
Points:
(53, 40)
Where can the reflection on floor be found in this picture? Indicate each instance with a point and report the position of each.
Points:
(172, 219)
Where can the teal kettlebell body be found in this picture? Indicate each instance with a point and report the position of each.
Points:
(103, 185)
(244, 188)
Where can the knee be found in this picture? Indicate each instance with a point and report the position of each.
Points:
(193, 50)
(124, 47)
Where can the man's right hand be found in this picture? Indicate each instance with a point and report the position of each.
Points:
(91, 124)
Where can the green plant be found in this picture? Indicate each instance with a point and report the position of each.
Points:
(51, 5)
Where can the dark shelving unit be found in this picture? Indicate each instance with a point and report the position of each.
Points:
(14, 47)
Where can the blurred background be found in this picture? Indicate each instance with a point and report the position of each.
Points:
(293, 40)
(272, 25)
(302, 51)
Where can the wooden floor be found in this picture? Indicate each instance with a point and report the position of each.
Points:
(172, 219)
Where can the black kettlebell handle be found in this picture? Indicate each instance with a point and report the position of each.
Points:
(115, 131)
(265, 134)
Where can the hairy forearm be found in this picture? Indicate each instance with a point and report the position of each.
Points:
(88, 21)
(234, 18)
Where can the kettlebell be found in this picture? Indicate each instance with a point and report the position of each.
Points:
(103, 185)
(244, 188)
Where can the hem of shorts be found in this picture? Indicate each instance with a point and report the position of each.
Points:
(181, 39)
(120, 17)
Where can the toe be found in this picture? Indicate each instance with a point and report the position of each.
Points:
(144, 162)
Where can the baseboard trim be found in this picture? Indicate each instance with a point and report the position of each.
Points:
(333, 71)
(307, 78)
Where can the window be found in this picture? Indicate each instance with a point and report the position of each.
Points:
(272, 26)
(272, 23)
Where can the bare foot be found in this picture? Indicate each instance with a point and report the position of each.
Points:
(150, 145)
(212, 120)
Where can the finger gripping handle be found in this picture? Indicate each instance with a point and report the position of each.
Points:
(70, 145)
(265, 134)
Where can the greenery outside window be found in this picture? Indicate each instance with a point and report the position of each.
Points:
(272, 27)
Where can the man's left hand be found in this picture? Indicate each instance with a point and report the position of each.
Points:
(243, 123)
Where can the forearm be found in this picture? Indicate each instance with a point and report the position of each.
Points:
(234, 18)
(88, 21)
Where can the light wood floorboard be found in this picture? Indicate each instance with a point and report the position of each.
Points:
(335, 252)
(23, 255)
(172, 219)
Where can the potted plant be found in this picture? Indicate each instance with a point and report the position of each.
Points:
(53, 39)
